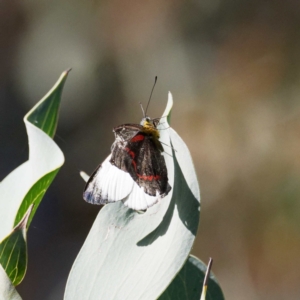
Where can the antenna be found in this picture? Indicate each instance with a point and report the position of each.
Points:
(150, 96)
(142, 109)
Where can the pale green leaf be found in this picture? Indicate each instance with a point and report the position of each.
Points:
(129, 255)
(7, 289)
(27, 184)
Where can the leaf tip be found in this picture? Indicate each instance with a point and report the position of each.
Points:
(84, 176)
(169, 106)
(67, 71)
(170, 101)
(23, 223)
(205, 281)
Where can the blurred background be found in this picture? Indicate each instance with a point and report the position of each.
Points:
(234, 70)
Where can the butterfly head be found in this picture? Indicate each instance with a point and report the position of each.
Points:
(149, 127)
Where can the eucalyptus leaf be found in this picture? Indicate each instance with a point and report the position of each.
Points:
(132, 255)
(27, 184)
(7, 289)
(187, 285)
(13, 251)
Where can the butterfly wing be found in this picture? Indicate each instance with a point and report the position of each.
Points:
(121, 152)
(124, 133)
(135, 172)
(107, 184)
(151, 169)
(141, 157)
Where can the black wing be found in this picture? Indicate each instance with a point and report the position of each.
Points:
(124, 133)
(141, 157)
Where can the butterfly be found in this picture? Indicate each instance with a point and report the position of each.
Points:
(135, 171)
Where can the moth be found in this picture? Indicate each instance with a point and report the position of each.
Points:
(135, 168)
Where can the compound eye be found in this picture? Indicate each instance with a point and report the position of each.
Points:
(147, 119)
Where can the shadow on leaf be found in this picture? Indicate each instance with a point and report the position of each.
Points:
(184, 202)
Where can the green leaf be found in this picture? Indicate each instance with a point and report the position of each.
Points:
(129, 255)
(187, 285)
(35, 196)
(44, 114)
(7, 290)
(13, 251)
(27, 184)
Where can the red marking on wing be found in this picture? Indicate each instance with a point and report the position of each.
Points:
(137, 138)
(143, 177)
(131, 153)
(150, 177)
(134, 165)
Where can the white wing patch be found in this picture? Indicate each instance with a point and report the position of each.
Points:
(139, 200)
(108, 184)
